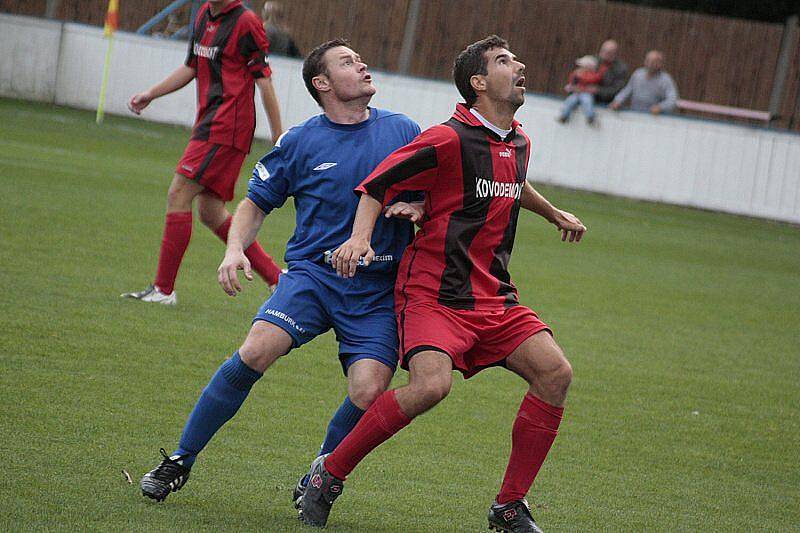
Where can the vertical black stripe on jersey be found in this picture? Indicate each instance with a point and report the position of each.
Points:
(215, 89)
(420, 161)
(502, 254)
(455, 290)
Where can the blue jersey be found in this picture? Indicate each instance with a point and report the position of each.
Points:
(319, 163)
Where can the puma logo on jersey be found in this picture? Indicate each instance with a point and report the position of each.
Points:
(325, 166)
(506, 153)
(486, 188)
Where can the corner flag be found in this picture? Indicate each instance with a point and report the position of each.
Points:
(112, 18)
(111, 25)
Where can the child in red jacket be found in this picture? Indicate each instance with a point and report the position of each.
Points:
(582, 86)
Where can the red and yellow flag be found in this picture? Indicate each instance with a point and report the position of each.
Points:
(112, 18)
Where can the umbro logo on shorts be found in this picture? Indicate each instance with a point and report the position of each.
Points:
(325, 166)
(187, 168)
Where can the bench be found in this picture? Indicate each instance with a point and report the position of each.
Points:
(724, 110)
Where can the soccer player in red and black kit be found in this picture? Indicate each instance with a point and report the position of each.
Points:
(456, 306)
(228, 56)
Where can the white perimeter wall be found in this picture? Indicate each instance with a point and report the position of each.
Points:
(703, 164)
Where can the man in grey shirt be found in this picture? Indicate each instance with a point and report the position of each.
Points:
(650, 88)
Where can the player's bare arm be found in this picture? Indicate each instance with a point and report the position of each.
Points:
(345, 258)
(179, 78)
(568, 224)
(244, 228)
(270, 103)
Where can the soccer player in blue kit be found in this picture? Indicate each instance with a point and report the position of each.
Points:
(318, 162)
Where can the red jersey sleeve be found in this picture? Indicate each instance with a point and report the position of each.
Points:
(253, 45)
(191, 57)
(414, 167)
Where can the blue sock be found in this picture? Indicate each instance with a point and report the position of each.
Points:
(219, 401)
(344, 419)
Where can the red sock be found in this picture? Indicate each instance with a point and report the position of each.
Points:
(177, 232)
(261, 262)
(534, 431)
(383, 419)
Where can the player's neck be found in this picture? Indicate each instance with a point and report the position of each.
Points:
(501, 114)
(352, 112)
(217, 7)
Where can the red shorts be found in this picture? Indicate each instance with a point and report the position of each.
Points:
(214, 166)
(474, 340)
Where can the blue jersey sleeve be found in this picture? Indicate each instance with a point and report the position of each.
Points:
(415, 130)
(270, 184)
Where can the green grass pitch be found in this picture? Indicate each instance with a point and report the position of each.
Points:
(683, 328)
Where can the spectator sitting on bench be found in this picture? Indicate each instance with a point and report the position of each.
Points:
(650, 87)
(614, 71)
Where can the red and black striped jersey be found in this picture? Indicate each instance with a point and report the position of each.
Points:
(229, 51)
(472, 181)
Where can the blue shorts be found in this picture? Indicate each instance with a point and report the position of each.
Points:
(311, 299)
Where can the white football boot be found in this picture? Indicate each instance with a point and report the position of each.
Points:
(153, 294)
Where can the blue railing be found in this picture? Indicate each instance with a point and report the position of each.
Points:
(185, 31)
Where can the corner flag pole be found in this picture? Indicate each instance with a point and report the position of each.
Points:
(111, 25)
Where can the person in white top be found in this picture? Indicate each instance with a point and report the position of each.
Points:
(650, 88)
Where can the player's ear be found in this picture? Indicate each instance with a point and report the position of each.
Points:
(321, 83)
(478, 82)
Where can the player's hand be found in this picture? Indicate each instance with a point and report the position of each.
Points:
(227, 273)
(345, 258)
(139, 101)
(655, 109)
(569, 225)
(408, 211)
(614, 106)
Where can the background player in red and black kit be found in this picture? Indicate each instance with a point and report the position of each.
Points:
(228, 56)
(456, 306)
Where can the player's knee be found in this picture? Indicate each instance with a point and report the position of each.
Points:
(559, 379)
(433, 391)
(263, 346)
(209, 217)
(255, 358)
(173, 197)
(363, 394)
(179, 198)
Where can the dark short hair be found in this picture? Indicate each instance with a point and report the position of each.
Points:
(314, 64)
(472, 61)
